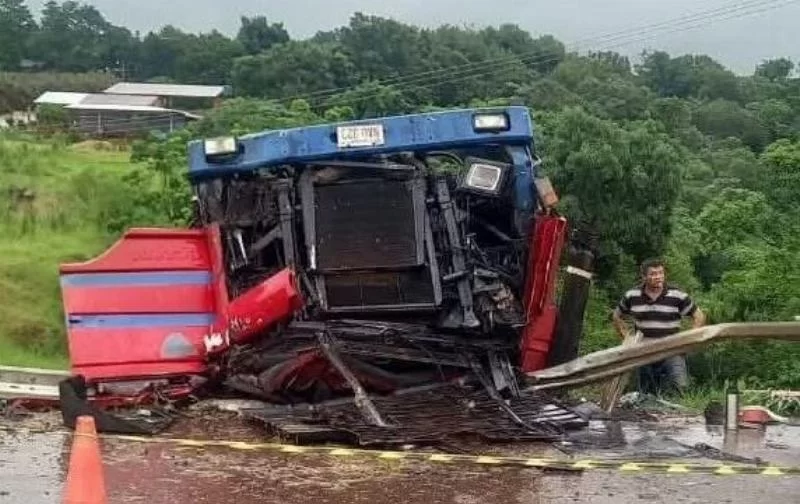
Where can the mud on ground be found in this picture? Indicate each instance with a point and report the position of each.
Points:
(34, 456)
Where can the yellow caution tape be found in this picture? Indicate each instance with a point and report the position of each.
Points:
(553, 464)
(546, 464)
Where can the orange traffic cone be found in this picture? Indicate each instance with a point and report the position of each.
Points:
(85, 480)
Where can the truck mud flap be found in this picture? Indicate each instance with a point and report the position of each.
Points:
(74, 403)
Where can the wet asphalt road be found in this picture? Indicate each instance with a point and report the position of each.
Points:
(32, 471)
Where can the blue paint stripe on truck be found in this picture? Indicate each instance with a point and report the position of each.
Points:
(148, 278)
(140, 321)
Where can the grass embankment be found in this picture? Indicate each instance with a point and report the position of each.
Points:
(51, 211)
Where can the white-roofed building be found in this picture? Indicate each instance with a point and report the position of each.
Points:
(106, 99)
(59, 98)
(168, 92)
(128, 108)
(173, 90)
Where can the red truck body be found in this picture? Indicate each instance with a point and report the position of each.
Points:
(155, 305)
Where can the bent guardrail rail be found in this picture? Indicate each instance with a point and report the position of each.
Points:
(618, 360)
(21, 382)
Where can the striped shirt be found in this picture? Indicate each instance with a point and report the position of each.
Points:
(658, 317)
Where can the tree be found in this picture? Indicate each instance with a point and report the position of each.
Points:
(452, 60)
(162, 51)
(775, 69)
(780, 178)
(733, 217)
(615, 97)
(623, 183)
(257, 34)
(291, 69)
(547, 94)
(76, 37)
(775, 115)
(380, 48)
(372, 99)
(16, 27)
(732, 161)
(621, 64)
(207, 59)
(722, 119)
(664, 75)
(688, 75)
(542, 54)
(676, 116)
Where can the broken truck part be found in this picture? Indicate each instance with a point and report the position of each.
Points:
(339, 261)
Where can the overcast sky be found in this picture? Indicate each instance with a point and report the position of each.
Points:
(738, 43)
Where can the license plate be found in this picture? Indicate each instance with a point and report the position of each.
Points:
(364, 135)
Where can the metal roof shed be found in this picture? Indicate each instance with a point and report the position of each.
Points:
(59, 98)
(121, 100)
(167, 90)
(103, 120)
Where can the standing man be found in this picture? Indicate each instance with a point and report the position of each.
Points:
(657, 309)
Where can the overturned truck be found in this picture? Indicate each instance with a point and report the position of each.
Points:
(367, 259)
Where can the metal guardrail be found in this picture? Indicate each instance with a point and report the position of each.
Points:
(30, 382)
(611, 362)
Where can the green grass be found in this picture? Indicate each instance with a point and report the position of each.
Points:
(50, 213)
(14, 355)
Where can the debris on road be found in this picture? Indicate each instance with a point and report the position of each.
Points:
(426, 416)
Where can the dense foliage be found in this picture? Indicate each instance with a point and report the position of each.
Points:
(673, 156)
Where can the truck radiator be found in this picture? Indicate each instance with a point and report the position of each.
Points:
(369, 245)
(368, 225)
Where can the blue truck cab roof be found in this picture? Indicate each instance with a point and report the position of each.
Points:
(510, 127)
(354, 140)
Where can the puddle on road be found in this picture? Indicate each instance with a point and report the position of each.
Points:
(32, 467)
(676, 438)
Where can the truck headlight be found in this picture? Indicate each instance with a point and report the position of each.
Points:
(221, 146)
(484, 177)
(490, 122)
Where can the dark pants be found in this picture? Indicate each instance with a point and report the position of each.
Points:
(669, 375)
